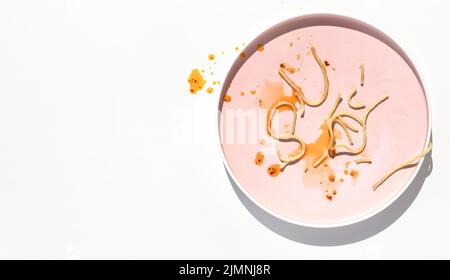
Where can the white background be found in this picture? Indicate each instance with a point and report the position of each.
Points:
(104, 154)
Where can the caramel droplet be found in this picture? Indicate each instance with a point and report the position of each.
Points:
(331, 178)
(354, 173)
(210, 90)
(274, 170)
(227, 98)
(259, 158)
(291, 70)
(211, 57)
(260, 47)
(196, 81)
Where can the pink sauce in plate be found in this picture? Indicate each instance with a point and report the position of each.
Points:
(339, 189)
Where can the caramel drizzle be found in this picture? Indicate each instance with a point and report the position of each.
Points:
(354, 106)
(287, 136)
(331, 122)
(409, 163)
(298, 90)
(362, 75)
(362, 122)
(363, 160)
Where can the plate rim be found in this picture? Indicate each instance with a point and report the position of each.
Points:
(295, 21)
